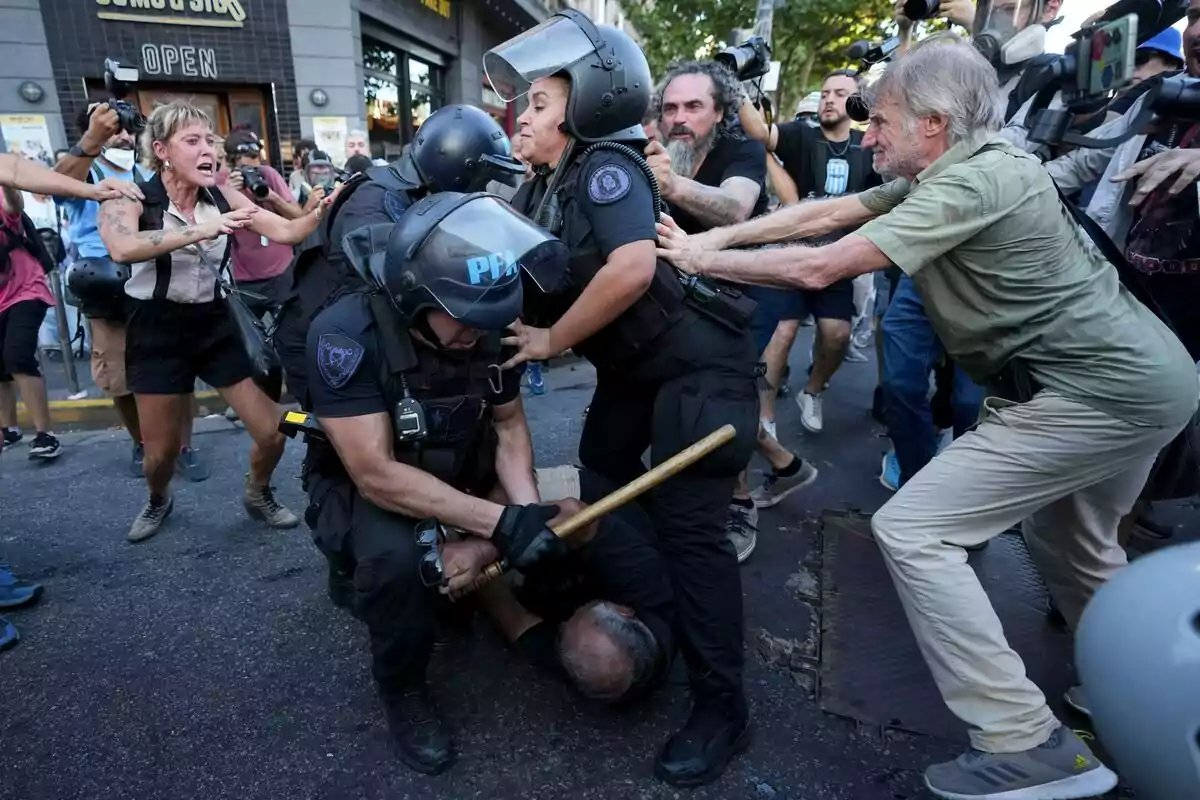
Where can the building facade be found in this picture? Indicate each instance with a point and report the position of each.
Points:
(286, 69)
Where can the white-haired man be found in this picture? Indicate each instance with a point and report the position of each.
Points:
(1094, 386)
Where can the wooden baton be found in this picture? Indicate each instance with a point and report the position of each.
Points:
(611, 502)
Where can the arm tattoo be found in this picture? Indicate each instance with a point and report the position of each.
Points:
(711, 205)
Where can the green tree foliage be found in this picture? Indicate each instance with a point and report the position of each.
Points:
(809, 37)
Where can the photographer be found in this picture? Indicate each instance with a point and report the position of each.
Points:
(1088, 386)
(824, 161)
(98, 283)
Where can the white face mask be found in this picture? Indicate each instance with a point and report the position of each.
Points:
(121, 159)
(1027, 44)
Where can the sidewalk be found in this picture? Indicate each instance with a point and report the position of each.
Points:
(90, 410)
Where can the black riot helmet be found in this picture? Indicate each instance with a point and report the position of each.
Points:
(461, 253)
(608, 72)
(460, 148)
(96, 281)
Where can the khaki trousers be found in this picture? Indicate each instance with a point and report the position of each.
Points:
(1071, 473)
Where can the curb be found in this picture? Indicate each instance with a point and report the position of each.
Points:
(97, 413)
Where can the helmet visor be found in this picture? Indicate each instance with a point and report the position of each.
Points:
(550, 47)
(366, 248)
(474, 256)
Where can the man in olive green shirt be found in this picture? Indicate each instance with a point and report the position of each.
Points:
(1011, 289)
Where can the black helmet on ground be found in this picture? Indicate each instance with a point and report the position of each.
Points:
(459, 148)
(609, 75)
(459, 253)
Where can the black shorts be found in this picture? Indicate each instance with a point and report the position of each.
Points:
(19, 326)
(170, 344)
(835, 301)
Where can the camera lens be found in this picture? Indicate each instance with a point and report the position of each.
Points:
(921, 9)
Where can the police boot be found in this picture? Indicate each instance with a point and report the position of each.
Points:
(421, 739)
(718, 729)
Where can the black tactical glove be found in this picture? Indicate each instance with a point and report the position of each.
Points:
(523, 539)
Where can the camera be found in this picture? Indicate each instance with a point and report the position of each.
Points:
(917, 10)
(748, 60)
(253, 178)
(116, 80)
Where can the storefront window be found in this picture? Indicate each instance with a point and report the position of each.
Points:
(390, 74)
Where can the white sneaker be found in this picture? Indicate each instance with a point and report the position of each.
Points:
(768, 425)
(810, 411)
(855, 356)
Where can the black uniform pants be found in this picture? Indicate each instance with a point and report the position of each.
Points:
(698, 377)
(380, 550)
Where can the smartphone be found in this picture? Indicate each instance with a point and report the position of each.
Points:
(1106, 56)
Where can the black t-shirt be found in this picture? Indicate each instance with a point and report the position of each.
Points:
(344, 360)
(1164, 245)
(732, 156)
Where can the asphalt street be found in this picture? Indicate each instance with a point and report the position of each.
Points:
(209, 663)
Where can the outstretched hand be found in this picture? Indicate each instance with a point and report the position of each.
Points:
(533, 344)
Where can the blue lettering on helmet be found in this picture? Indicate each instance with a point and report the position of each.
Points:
(494, 266)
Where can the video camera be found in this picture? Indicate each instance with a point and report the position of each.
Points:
(749, 60)
(868, 54)
(253, 179)
(116, 80)
(1097, 64)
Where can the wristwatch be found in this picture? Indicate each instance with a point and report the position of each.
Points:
(78, 152)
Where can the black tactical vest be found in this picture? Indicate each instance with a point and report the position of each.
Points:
(321, 274)
(452, 388)
(643, 322)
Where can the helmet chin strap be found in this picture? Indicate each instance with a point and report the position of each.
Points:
(421, 325)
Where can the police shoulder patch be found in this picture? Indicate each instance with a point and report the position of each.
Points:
(338, 358)
(608, 183)
(395, 205)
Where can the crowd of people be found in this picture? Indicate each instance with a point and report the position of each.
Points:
(676, 238)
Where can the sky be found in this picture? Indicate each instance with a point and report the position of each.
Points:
(1074, 12)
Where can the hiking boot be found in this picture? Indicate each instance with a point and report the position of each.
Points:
(153, 515)
(700, 752)
(776, 487)
(45, 446)
(14, 592)
(742, 529)
(1062, 768)
(422, 741)
(191, 466)
(261, 505)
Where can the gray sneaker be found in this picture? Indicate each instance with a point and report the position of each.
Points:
(776, 487)
(153, 515)
(742, 529)
(191, 466)
(1063, 768)
(261, 504)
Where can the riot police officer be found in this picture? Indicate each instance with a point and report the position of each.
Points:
(673, 360)
(458, 148)
(418, 421)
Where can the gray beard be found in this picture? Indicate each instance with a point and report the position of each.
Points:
(686, 157)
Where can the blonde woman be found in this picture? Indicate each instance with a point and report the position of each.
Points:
(180, 328)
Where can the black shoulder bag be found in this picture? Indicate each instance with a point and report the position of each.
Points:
(1176, 473)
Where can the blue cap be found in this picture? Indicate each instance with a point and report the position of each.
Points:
(1168, 42)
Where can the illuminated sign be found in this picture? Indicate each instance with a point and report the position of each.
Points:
(440, 7)
(198, 13)
(169, 60)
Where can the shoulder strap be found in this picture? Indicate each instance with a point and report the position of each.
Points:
(95, 174)
(1128, 275)
(398, 353)
(222, 203)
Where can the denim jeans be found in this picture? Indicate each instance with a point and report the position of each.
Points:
(910, 351)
